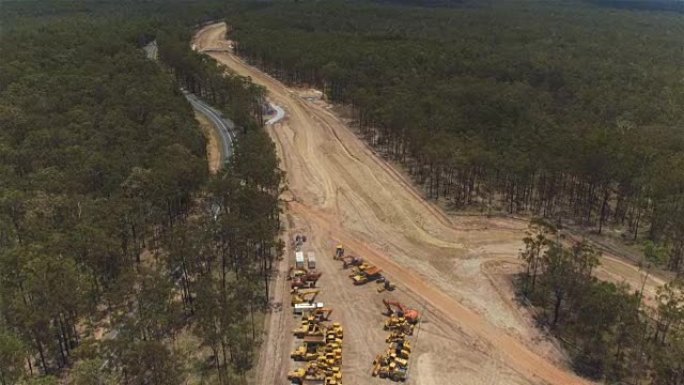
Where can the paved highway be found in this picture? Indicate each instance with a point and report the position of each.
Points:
(224, 126)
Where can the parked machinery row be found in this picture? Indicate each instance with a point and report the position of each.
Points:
(321, 339)
(393, 364)
(362, 272)
(320, 349)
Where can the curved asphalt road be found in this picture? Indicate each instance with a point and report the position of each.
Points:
(224, 126)
(279, 114)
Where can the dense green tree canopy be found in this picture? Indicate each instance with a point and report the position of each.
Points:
(110, 244)
(568, 110)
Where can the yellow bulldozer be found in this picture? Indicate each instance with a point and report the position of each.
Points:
(336, 332)
(396, 336)
(318, 372)
(311, 372)
(399, 353)
(403, 345)
(308, 329)
(387, 366)
(310, 349)
(400, 324)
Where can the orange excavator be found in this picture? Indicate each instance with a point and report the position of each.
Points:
(411, 315)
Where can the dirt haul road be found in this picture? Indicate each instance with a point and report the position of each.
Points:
(454, 270)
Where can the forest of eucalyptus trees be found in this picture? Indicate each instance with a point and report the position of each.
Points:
(569, 111)
(122, 260)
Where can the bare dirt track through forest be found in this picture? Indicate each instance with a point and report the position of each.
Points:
(454, 270)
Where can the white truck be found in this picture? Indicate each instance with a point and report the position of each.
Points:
(311, 260)
(300, 308)
(299, 260)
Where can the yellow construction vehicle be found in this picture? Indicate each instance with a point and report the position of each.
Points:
(310, 349)
(301, 354)
(333, 347)
(307, 329)
(339, 252)
(399, 323)
(385, 366)
(334, 373)
(311, 372)
(297, 375)
(399, 353)
(360, 269)
(380, 362)
(319, 315)
(401, 362)
(396, 336)
(370, 274)
(393, 371)
(402, 345)
(336, 354)
(398, 374)
(327, 361)
(334, 333)
(301, 296)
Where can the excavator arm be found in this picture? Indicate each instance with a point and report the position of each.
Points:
(411, 315)
(323, 313)
(310, 296)
(389, 304)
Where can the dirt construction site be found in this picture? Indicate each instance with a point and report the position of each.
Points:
(455, 271)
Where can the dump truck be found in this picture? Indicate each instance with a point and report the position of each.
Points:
(367, 275)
